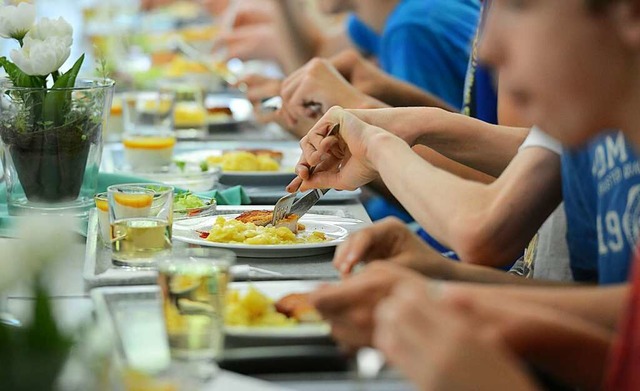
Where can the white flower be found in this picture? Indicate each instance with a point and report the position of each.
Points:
(41, 57)
(40, 240)
(52, 28)
(15, 21)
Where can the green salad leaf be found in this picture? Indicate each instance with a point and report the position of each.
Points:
(187, 200)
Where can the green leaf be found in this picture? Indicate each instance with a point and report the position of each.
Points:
(19, 78)
(58, 103)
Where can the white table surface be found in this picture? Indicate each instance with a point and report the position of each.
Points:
(73, 306)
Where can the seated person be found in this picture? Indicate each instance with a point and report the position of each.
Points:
(464, 339)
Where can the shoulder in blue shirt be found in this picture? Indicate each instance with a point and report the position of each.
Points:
(428, 43)
(601, 188)
(424, 42)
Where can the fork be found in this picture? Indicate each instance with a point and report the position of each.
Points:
(283, 205)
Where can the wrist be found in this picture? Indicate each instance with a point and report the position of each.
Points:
(369, 102)
(433, 121)
(383, 147)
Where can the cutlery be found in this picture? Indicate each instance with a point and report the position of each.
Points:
(284, 205)
(274, 103)
(246, 271)
(307, 201)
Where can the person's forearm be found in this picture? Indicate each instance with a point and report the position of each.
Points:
(465, 272)
(484, 224)
(302, 34)
(398, 93)
(477, 144)
(595, 304)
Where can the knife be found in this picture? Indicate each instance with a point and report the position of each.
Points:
(302, 205)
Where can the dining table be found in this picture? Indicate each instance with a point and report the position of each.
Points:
(71, 282)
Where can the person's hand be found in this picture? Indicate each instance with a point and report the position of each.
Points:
(314, 88)
(342, 161)
(438, 346)
(249, 31)
(260, 88)
(251, 42)
(390, 240)
(349, 306)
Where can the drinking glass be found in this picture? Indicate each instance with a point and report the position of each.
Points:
(148, 137)
(102, 206)
(190, 114)
(193, 282)
(141, 216)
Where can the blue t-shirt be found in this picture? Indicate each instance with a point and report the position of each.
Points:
(426, 43)
(601, 188)
(363, 36)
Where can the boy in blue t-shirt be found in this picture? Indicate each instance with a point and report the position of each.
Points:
(423, 42)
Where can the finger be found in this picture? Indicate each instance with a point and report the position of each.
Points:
(294, 185)
(290, 85)
(367, 244)
(325, 175)
(302, 170)
(331, 145)
(332, 300)
(289, 119)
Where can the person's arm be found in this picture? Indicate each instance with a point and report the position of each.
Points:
(599, 305)
(482, 223)
(486, 224)
(391, 241)
(474, 143)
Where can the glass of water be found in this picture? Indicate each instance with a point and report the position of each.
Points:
(141, 216)
(193, 282)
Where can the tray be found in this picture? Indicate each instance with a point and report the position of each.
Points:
(136, 316)
(99, 271)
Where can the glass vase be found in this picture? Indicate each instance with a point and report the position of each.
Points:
(52, 145)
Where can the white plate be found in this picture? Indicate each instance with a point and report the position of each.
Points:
(336, 229)
(136, 315)
(281, 177)
(276, 290)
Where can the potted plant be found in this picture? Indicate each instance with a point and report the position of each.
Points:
(50, 121)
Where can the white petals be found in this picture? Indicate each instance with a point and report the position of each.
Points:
(41, 57)
(40, 240)
(52, 28)
(15, 21)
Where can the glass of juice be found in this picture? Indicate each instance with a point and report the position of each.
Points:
(190, 115)
(140, 216)
(193, 282)
(148, 137)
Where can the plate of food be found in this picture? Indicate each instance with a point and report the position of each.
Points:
(136, 314)
(251, 234)
(274, 309)
(248, 167)
(227, 111)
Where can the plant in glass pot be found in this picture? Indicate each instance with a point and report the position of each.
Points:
(50, 121)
